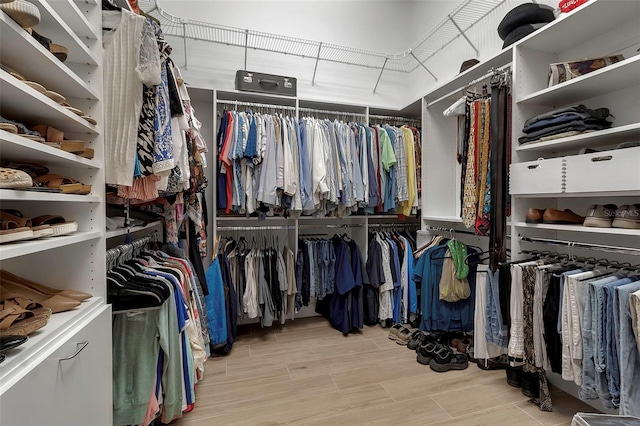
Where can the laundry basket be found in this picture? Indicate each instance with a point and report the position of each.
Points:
(590, 419)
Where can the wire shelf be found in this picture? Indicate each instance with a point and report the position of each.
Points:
(467, 14)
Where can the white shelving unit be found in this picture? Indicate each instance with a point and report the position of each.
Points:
(580, 34)
(33, 371)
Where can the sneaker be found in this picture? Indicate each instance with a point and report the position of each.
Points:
(627, 217)
(600, 216)
(416, 340)
(426, 350)
(444, 359)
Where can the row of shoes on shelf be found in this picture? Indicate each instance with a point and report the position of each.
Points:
(36, 177)
(27, 306)
(598, 215)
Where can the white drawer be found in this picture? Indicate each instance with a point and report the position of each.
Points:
(616, 170)
(73, 391)
(537, 177)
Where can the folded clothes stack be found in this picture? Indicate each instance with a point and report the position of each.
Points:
(564, 122)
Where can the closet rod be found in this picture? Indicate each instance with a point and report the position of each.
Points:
(256, 105)
(344, 225)
(394, 118)
(394, 225)
(574, 244)
(126, 249)
(599, 262)
(255, 228)
(325, 111)
(451, 230)
(471, 83)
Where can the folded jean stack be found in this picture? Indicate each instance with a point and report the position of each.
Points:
(564, 122)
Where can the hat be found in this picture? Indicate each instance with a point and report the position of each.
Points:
(468, 64)
(525, 14)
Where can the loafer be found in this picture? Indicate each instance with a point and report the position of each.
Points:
(11, 341)
(534, 215)
(567, 217)
(600, 216)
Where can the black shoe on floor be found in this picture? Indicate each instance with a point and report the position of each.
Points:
(530, 385)
(416, 339)
(498, 363)
(514, 376)
(444, 359)
(426, 350)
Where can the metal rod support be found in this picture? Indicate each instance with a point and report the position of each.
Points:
(257, 105)
(256, 228)
(184, 40)
(471, 83)
(380, 76)
(315, 68)
(464, 35)
(423, 66)
(246, 47)
(324, 111)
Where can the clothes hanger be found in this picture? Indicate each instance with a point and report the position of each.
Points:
(109, 5)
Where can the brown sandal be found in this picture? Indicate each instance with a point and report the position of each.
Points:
(66, 184)
(15, 320)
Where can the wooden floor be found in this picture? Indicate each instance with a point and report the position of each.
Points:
(308, 373)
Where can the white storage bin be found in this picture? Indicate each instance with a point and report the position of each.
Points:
(537, 177)
(616, 170)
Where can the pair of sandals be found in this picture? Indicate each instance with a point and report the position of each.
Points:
(15, 227)
(400, 333)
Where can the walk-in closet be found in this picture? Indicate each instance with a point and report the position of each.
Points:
(413, 212)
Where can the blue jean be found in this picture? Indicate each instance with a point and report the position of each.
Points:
(495, 330)
(628, 353)
(592, 387)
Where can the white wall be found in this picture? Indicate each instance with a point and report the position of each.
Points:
(382, 26)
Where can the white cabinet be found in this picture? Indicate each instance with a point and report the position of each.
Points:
(536, 177)
(71, 385)
(35, 388)
(607, 171)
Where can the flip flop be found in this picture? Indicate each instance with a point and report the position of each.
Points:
(59, 224)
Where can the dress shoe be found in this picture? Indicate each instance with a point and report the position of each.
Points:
(534, 216)
(600, 216)
(565, 216)
(11, 341)
(40, 288)
(627, 217)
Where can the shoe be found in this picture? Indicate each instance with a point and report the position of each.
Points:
(627, 217)
(426, 350)
(2, 357)
(498, 363)
(12, 179)
(417, 337)
(530, 385)
(24, 13)
(80, 296)
(587, 151)
(55, 303)
(11, 341)
(57, 50)
(624, 145)
(444, 359)
(534, 216)
(514, 376)
(600, 216)
(565, 216)
(12, 215)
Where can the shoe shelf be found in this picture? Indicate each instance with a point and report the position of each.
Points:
(610, 136)
(53, 26)
(452, 219)
(22, 248)
(579, 228)
(15, 147)
(613, 78)
(17, 195)
(592, 18)
(42, 343)
(75, 18)
(21, 101)
(21, 52)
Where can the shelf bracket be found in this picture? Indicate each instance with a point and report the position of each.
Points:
(380, 76)
(246, 46)
(423, 66)
(464, 35)
(313, 80)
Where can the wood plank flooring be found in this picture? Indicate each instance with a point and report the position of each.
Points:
(306, 373)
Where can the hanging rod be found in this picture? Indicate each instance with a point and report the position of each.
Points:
(452, 230)
(324, 111)
(480, 79)
(256, 105)
(255, 228)
(394, 118)
(394, 225)
(598, 262)
(589, 246)
(344, 225)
